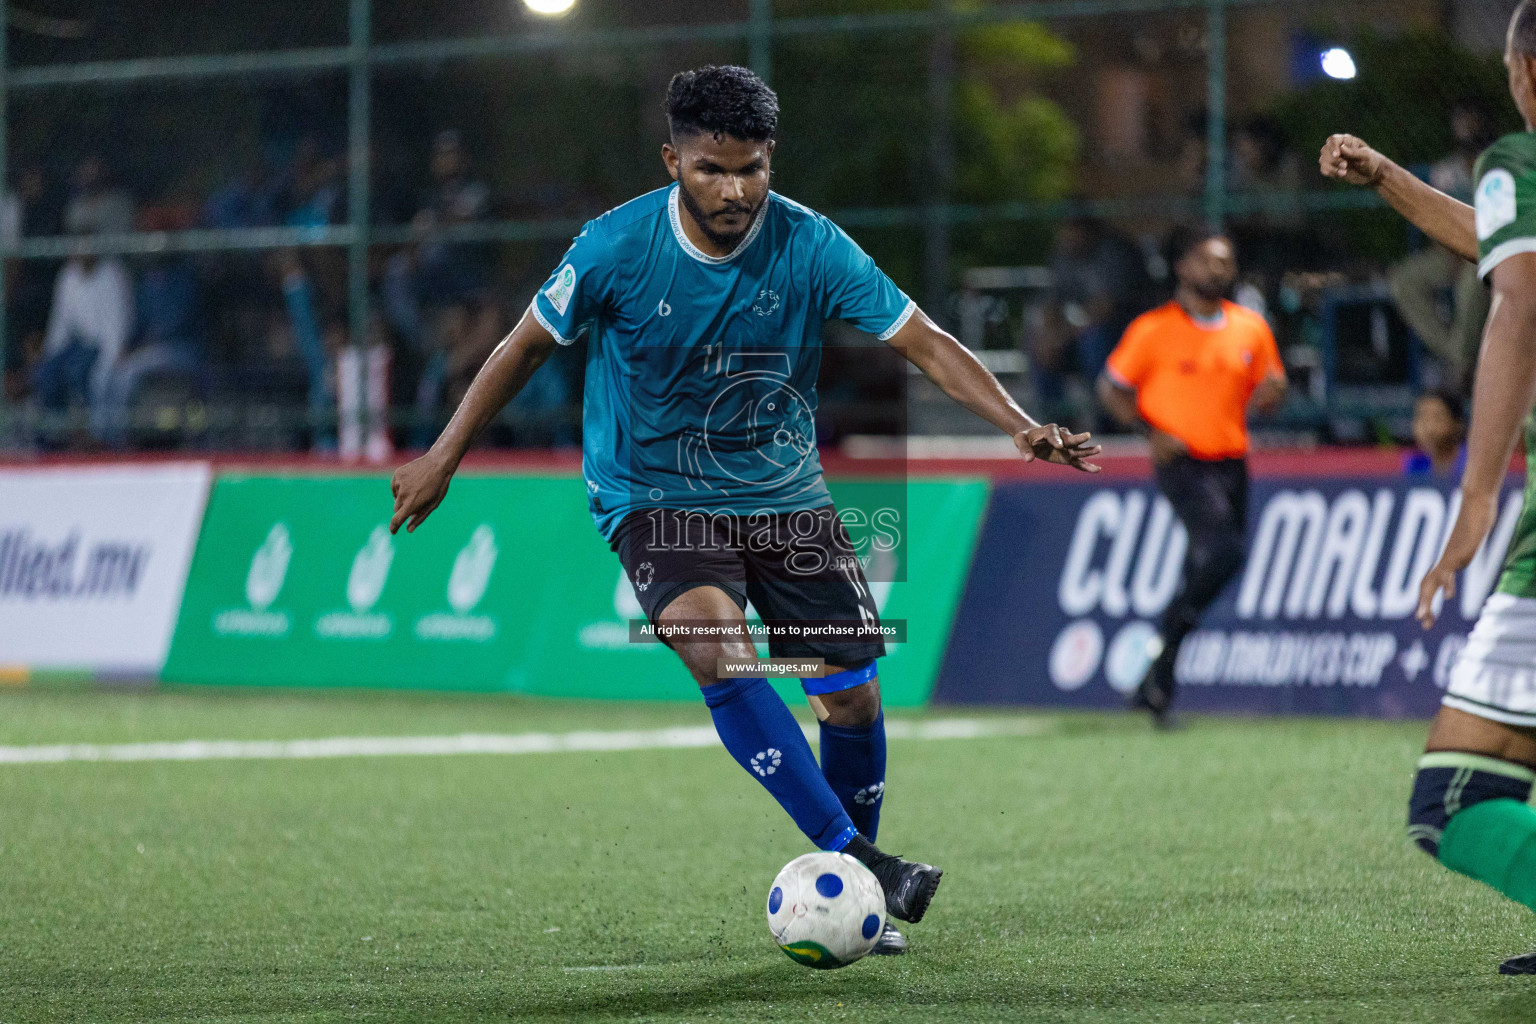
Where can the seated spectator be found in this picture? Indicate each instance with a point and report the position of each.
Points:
(1419, 282)
(95, 206)
(88, 328)
(169, 340)
(1439, 436)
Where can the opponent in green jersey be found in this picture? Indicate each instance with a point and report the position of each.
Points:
(1470, 805)
(1505, 205)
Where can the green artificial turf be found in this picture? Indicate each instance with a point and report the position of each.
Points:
(1244, 870)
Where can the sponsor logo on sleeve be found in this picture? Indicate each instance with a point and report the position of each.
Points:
(561, 289)
(1495, 202)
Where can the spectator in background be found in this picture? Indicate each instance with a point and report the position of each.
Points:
(435, 292)
(311, 195)
(168, 339)
(245, 201)
(1100, 285)
(95, 206)
(1191, 159)
(1260, 159)
(30, 210)
(88, 328)
(1272, 235)
(1439, 436)
(1419, 282)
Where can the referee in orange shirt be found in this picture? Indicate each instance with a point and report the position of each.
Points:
(1188, 373)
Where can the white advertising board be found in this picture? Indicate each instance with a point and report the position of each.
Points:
(93, 562)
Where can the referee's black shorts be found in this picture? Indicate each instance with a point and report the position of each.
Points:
(795, 567)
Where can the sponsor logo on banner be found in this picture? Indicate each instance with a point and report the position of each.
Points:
(93, 562)
(507, 588)
(1324, 602)
(263, 583)
(365, 583)
(1130, 655)
(1075, 654)
(68, 571)
(467, 582)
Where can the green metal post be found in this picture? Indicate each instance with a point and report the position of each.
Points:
(358, 115)
(1216, 107)
(760, 39)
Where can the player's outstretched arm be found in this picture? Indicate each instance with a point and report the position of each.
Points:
(419, 486)
(1448, 221)
(961, 376)
(1502, 394)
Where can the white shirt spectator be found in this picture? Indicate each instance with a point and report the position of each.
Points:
(94, 306)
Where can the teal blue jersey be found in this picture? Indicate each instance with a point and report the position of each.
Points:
(701, 370)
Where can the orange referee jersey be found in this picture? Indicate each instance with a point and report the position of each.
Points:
(1194, 382)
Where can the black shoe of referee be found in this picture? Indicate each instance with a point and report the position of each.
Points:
(909, 885)
(1155, 694)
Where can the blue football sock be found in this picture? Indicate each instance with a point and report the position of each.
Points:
(765, 739)
(853, 761)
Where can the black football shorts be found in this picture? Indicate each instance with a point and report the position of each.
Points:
(795, 567)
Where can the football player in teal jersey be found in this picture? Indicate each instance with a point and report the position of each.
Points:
(1470, 805)
(703, 303)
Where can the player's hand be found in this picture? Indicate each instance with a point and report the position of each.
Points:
(1052, 444)
(1472, 525)
(1348, 159)
(1165, 446)
(419, 487)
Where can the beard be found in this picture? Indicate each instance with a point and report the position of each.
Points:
(1210, 291)
(724, 239)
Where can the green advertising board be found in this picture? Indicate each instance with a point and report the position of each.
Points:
(297, 581)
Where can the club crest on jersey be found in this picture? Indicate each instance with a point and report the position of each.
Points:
(644, 573)
(767, 302)
(561, 289)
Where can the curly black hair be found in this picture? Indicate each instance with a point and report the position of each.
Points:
(722, 100)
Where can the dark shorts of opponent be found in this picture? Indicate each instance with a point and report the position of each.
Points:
(795, 567)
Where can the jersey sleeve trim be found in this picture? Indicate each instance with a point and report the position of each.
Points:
(533, 307)
(901, 321)
(1503, 251)
(1117, 378)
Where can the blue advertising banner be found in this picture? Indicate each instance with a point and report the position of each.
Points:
(1069, 580)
